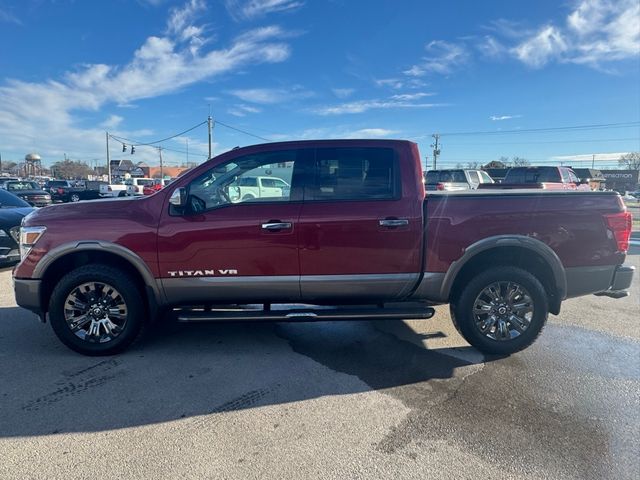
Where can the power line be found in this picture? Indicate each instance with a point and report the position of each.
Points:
(547, 129)
(242, 131)
(139, 144)
(548, 142)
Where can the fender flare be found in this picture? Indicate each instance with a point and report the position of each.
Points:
(60, 251)
(499, 241)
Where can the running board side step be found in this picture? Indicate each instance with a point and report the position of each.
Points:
(307, 315)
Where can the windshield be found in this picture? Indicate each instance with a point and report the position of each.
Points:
(9, 200)
(11, 186)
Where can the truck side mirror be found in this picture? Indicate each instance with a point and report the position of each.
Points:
(179, 197)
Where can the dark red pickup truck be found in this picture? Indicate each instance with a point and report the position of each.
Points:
(343, 232)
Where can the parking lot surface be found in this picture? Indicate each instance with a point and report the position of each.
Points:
(325, 400)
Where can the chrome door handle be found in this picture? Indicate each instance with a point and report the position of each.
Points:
(275, 226)
(393, 222)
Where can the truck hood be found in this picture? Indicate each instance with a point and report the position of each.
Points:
(95, 209)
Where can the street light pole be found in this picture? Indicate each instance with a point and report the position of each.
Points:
(108, 160)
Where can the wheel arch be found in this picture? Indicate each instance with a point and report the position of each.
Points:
(67, 257)
(514, 250)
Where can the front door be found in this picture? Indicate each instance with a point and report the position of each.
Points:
(224, 247)
(360, 226)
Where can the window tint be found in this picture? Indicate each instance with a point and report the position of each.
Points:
(236, 181)
(573, 177)
(355, 174)
(247, 182)
(446, 176)
(532, 175)
(485, 178)
(565, 175)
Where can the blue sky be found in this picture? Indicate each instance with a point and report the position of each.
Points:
(291, 69)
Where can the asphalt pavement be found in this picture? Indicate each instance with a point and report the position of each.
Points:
(326, 400)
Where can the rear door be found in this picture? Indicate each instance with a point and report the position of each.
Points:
(360, 226)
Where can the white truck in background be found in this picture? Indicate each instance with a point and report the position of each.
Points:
(249, 188)
(120, 189)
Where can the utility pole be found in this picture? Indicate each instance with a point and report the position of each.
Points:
(209, 127)
(108, 160)
(436, 149)
(593, 161)
(0, 163)
(187, 140)
(161, 170)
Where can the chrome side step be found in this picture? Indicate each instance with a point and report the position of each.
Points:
(306, 315)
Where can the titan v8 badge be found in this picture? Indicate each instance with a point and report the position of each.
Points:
(202, 273)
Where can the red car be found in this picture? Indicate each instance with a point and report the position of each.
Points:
(354, 235)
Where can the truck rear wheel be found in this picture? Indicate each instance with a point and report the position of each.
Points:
(97, 310)
(501, 310)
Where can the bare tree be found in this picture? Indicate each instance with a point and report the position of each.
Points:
(71, 169)
(520, 162)
(630, 161)
(8, 166)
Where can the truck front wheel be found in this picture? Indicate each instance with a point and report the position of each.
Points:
(96, 310)
(501, 310)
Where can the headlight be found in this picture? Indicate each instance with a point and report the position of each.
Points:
(3, 234)
(28, 238)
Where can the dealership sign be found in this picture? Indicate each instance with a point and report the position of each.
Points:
(621, 176)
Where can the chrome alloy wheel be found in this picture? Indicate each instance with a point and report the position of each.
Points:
(95, 312)
(503, 310)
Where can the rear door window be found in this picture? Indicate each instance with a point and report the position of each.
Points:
(474, 177)
(355, 174)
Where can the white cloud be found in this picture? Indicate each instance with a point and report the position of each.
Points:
(497, 118)
(589, 157)
(411, 96)
(258, 8)
(343, 92)
(362, 106)
(112, 122)
(242, 110)
(8, 17)
(339, 131)
(394, 83)
(162, 65)
(443, 58)
(536, 51)
(267, 96)
(370, 133)
(491, 48)
(596, 32)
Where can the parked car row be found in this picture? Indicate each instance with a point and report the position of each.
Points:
(545, 178)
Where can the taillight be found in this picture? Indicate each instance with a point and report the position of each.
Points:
(439, 186)
(60, 191)
(109, 189)
(620, 225)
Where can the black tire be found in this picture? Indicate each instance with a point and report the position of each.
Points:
(462, 310)
(122, 193)
(248, 197)
(129, 293)
(74, 197)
